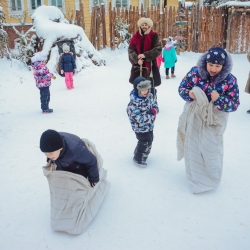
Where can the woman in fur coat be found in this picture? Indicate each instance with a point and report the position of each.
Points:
(210, 92)
(144, 48)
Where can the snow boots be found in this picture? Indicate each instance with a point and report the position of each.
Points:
(140, 163)
(141, 153)
(47, 111)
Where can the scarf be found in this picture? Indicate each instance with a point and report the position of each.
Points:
(146, 39)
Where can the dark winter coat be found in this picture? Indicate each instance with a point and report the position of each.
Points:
(150, 56)
(76, 158)
(224, 83)
(67, 62)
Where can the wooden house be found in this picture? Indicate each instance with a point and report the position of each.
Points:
(14, 11)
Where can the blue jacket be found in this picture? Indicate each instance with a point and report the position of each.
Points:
(67, 62)
(169, 57)
(76, 158)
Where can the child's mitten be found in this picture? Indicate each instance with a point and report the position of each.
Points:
(153, 111)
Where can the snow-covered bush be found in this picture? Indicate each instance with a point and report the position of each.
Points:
(121, 28)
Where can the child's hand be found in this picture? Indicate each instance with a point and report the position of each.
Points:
(92, 184)
(153, 112)
(191, 94)
(214, 95)
(62, 71)
(75, 70)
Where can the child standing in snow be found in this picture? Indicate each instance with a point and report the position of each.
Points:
(43, 80)
(210, 92)
(142, 110)
(169, 57)
(68, 66)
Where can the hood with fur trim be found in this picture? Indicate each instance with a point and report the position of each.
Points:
(141, 83)
(226, 69)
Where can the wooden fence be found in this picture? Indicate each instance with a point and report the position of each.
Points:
(238, 32)
(206, 27)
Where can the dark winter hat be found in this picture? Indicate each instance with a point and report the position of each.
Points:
(50, 141)
(140, 83)
(216, 55)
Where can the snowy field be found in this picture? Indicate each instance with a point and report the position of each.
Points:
(145, 209)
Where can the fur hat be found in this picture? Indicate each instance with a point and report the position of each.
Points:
(146, 20)
(65, 47)
(50, 141)
(141, 83)
(216, 55)
(38, 57)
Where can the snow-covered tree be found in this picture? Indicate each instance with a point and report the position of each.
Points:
(123, 37)
(51, 26)
(25, 43)
(4, 39)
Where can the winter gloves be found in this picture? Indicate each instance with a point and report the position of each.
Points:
(92, 184)
(153, 111)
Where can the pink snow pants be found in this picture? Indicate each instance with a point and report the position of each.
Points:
(69, 80)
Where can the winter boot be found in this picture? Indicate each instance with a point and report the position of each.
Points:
(173, 75)
(141, 164)
(167, 77)
(47, 111)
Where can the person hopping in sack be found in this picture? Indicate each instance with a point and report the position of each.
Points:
(70, 153)
(142, 110)
(68, 66)
(211, 92)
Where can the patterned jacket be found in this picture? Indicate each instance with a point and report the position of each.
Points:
(138, 112)
(41, 74)
(224, 83)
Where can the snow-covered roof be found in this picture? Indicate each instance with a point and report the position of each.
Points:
(235, 3)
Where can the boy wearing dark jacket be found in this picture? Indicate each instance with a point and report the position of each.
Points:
(70, 153)
(142, 110)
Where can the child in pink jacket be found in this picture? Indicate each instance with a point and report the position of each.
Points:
(43, 80)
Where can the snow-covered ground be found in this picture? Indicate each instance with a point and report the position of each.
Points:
(145, 209)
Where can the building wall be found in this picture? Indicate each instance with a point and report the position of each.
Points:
(69, 7)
